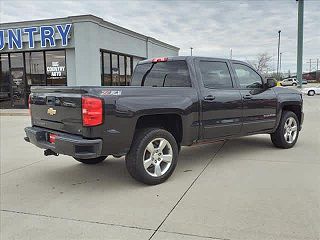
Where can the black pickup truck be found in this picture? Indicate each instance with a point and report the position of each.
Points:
(172, 102)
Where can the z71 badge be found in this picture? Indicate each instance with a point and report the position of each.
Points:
(111, 93)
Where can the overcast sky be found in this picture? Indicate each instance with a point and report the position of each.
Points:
(212, 28)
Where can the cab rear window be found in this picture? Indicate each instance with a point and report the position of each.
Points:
(162, 74)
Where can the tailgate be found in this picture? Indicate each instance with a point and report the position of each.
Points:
(57, 108)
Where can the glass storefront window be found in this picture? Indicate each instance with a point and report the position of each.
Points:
(18, 87)
(19, 71)
(5, 95)
(35, 70)
(106, 69)
(16, 60)
(122, 71)
(117, 68)
(128, 70)
(56, 68)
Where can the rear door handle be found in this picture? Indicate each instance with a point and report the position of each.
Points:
(247, 96)
(209, 98)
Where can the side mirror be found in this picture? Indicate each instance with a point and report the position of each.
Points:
(271, 83)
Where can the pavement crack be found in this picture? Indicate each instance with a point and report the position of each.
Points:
(185, 192)
(195, 235)
(77, 220)
(28, 165)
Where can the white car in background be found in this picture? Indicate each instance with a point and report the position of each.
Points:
(289, 82)
(311, 91)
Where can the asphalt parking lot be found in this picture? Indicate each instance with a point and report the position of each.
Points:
(238, 189)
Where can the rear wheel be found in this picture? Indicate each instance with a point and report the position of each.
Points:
(311, 93)
(91, 161)
(287, 132)
(153, 156)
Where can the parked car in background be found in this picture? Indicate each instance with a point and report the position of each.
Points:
(311, 91)
(289, 82)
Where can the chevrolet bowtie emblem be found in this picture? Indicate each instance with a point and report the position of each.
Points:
(51, 111)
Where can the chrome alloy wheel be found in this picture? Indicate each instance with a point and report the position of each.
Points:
(290, 130)
(157, 157)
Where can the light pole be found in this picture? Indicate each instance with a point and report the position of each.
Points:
(317, 69)
(280, 63)
(191, 50)
(300, 42)
(279, 32)
(230, 53)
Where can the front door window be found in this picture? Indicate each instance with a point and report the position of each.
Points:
(248, 78)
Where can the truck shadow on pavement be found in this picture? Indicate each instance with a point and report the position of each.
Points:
(112, 173)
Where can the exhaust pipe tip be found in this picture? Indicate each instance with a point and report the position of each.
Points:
(49, 152)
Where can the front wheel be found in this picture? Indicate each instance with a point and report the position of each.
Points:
(294, 84)
(91, 161)
(153, 156)
(287, 132)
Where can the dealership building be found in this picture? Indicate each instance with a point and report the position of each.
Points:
(72, 51)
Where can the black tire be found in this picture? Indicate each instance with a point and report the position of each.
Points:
(278, 138)
(91, 161)
(311, 93)
(135, 157)
(294, 84)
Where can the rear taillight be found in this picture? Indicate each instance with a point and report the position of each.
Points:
(92, 111)
(52, 138)
(29, 104)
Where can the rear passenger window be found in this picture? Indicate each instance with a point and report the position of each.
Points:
(215, 74)
(162, 74)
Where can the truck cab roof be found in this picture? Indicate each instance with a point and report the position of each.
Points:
(186, 58)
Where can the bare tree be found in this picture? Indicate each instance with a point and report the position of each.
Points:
(262, 63)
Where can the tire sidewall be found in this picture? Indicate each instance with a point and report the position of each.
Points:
(151, 135)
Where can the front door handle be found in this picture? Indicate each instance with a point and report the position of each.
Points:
(209, 98)
(247, 96)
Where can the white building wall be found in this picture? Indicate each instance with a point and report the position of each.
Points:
(71, 67)
(89, 35)
(155, 50)
(87, 54)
